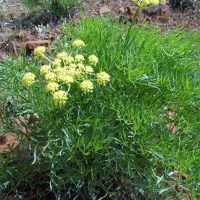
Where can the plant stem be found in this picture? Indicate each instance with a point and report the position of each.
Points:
(134, 19)
(47, 58)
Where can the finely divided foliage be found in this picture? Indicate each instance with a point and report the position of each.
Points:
(109, 136)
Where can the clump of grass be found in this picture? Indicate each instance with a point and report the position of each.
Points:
(56, 7)
(113, 142)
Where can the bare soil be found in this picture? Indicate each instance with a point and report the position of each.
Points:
(16, 25)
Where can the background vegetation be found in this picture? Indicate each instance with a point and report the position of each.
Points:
(114, 142)
(57, 7)
(182, 4)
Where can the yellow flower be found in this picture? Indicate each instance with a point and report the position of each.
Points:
(93, 59)
(69, 60)
(79, 58)
(154, 2)
(144, 3)
(69, 80)
(103, 78)
(78, 43)
(72, 65)
(62, 56)
(80, 66)
(45, 69)
(56, 62)
(39, 51)
(50, 76)
(59, 70)
(87, 86)
(28, 79)
(60, 98)
(52, 87)
(88, 69)
(71, 72)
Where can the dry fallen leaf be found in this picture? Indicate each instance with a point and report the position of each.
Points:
(172, 127)
(9, 142)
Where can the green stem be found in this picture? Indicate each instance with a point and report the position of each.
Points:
(47, 58)
(134, 19)
(135, 15)
(68, 89)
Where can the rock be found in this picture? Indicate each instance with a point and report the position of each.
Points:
(121, 10)
(155, 10)
(104, 10)
(31, 45)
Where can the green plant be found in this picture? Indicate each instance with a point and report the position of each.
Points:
(113, 142)
(182, 4)
(58, 7)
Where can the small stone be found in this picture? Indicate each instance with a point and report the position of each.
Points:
(121, 10)
(104, 10)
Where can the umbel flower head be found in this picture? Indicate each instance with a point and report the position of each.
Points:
(103, 78)
(79, 58)
(50, 76)
(93, 60)
(69, 80)
(52, 87)
(56, 62)
(88, 69)
(62, 55)
(69, 60)
(144, 3)
(45, 69)
(78, 43)
(60, 97)
(87, 86)
(39, 51)
(28, 79)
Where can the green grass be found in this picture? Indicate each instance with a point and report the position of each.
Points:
(115, 141)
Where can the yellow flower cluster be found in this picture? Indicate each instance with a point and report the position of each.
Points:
(56, 62)
(103, 78)
(45, 69)
(50, 76)
(144, 3)
(78, 43)
(28, 79)
(93, 60)
(62, 56)
(39, 52)
(79, 58)
(66, 71)
(60, 97)
(88, 69)
(87, 86)
(52, 87)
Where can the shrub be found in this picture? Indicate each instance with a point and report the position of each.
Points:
(182, 4)
(112, 142)
(58, 7)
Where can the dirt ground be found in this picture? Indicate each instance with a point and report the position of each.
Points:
(12, 14)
